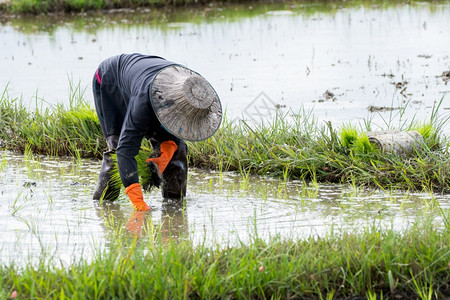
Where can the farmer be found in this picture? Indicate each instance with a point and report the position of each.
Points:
(139, 96)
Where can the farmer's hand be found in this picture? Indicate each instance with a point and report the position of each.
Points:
(168, 148)
(134, 192)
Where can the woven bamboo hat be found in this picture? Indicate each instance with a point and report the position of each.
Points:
(185, 103)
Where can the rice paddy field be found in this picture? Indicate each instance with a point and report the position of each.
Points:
(288, 200)
(261, 210)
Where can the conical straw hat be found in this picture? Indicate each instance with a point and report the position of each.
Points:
(185, 103)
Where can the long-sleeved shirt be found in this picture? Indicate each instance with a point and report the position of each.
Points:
(126, 108)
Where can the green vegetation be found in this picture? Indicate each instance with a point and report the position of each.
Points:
(74, 6)
(60, 130)
(37, 6)
(374, 263)
(292, 146)
(35, 18)
(296, 147)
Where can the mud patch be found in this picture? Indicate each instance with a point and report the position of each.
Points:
(445, 76)
(373, 108)
(327, 96)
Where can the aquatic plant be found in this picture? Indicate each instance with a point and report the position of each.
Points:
(375, 261)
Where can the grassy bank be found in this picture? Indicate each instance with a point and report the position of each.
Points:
(75, 6)
(60, 130)
(304, 149)
(164, 17)
(375, 264)
(293, 147)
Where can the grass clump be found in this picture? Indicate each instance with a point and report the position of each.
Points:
(409, 265)
(297, 147)
(59, 130)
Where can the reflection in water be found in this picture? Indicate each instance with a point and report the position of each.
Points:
(135, 222)
(46, 208)
(173, 222)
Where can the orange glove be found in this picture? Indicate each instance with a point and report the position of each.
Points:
(134, 192)
(168, 148)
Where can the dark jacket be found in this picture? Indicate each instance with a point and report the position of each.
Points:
(124, 107)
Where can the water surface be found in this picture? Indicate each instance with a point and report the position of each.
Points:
(46, 210)
(346, 61)
(338, 60)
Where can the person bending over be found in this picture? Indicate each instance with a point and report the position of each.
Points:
(144, 96)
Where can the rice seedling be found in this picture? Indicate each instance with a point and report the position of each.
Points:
(16, 205)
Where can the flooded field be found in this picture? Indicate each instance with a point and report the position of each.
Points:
(47, 210)
(345, 61)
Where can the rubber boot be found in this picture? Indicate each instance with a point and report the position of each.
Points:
(153, 180)
(104, 189)
(174, 177)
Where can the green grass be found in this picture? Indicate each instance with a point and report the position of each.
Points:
(39, 7)
(74, 6)
(58, 130)
(414, 264)
(36, 19)
(304, 150)
(293, 146)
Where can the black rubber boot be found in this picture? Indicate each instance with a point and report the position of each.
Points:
(174, 177)
(153, 179)
(105, 189)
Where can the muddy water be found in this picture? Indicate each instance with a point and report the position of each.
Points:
(46, 210)
(345, 61)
